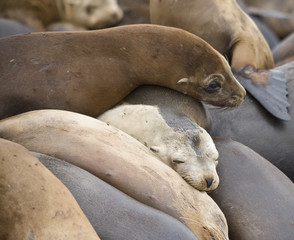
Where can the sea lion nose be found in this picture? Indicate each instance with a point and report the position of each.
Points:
(236, 100)
(115, 16)
(208, 181)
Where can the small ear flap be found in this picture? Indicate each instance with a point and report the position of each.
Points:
(183, 80)
(154, 149)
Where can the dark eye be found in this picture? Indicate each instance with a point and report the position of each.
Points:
(90, 9)
(212, 87)
(177, 161)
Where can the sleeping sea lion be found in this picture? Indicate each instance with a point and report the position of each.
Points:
(230, 30)
(121, 161)
(91, 14)
(89, 72)
(174, 138)
(34, 204)
(256, 197)
(113, 214)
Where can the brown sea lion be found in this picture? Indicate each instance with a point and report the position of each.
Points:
(120, 160)
(34, 204)
(225, 26)
(256, 197)
(284, 52)
(89, 72)
(113, 214)
(91, 14)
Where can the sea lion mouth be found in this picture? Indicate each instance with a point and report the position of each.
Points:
(234, 101)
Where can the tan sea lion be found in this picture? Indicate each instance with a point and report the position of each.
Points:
(89, 72)
(222, 24)
(34, 204)
(174, 138)
(121, 161)
(91, 14)
(225, 26)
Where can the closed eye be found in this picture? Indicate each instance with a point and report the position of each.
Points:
(177, 161)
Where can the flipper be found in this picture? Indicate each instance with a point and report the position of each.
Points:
(273, 95)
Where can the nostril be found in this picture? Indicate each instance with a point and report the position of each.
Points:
(208, 181)
(114, 16)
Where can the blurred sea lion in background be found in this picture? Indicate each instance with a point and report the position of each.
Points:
(284, 52)
(277, 14)
(37, 15)
(10, 27)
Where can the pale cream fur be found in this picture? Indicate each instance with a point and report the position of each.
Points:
(146, 124)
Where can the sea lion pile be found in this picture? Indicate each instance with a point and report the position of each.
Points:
(130, 120)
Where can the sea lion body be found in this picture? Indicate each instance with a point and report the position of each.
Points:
(91, 14)
(34, 204)
(282, 25)
(174, 138)
(251, 125)
(89, 72)
(121, 161)
(222, 24)
(284, 52)
(10, 27)
(135, 12)
(113, 214)
(256, 197)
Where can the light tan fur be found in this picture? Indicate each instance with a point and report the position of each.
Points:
(193, 148)
(34, 204)
(221, 23)
(120, 160)
(92, 14)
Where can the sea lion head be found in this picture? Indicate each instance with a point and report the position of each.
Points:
(192, 154)
(212, 80)
(92, 14)
(173, 137)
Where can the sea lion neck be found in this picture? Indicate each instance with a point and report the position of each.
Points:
(164, 55)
